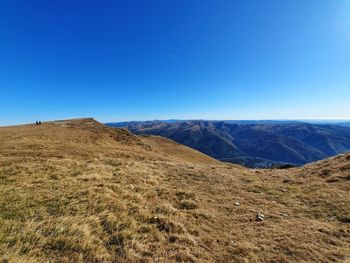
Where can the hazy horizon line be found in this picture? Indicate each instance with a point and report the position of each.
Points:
(248, 119)
(332, 119)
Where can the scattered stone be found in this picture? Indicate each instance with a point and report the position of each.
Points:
(332, 218)
(259, 217)
(237, 203)
(283, 190)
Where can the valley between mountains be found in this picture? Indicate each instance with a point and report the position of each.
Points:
(80, 191)
(261, 144)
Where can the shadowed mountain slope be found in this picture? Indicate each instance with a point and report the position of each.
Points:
(78, 191)
(253, 145)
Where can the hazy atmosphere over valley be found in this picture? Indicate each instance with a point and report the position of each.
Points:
(174, 131)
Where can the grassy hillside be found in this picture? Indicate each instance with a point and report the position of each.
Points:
(78, 191)
(177, 151)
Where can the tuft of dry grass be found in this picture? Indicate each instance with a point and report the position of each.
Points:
(77, 191)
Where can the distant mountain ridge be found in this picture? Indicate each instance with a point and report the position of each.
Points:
(262, 144)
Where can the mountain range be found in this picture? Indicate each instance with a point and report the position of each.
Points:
(260, 144)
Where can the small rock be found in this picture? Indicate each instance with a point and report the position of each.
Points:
(332, 218)
(283, 190)
(237, 203)
(259, 217)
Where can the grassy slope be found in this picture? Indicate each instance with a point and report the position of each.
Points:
(77, 191)
(177, 151)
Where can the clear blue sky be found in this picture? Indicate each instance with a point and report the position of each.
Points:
(138, 60)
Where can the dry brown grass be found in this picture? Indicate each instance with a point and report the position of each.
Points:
(77, 191)
(176, 151)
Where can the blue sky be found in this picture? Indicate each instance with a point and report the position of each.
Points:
(139, 60)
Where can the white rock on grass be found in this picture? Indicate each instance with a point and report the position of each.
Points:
(259, 217)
